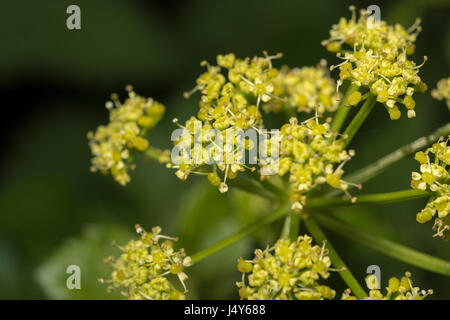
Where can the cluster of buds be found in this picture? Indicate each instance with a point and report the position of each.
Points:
(397, 289)
(306, 89)
(434, 176)
(377, 59)
(113, 145)
(313, 156)
(145, 264)
(231, 95)
(287, 271)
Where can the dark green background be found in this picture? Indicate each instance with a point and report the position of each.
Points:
(54, 82)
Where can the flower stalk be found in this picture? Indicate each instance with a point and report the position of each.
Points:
(252, 227)
(294, 226)
(377, 198)
(379, 166)
(385, 246)
(317, 233)
(359, 119)
(343, 110)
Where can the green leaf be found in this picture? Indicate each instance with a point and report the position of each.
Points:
(88, 252)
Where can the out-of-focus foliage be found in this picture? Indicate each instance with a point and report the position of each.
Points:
(84, 251)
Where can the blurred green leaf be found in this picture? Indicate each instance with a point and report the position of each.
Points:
(206, 216)
(87, 252)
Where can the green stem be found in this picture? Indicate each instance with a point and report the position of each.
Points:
(294, 226)
(385, 246)
(358, 120)
(346, 275)
(382, 164)
(341, 114)
(153, 153)
(286, 227)
(275, 215)
(377, 167)
(380, 198)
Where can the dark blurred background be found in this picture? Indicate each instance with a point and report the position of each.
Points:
(54, 83)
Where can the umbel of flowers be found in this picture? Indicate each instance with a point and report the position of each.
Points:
(397, 289)
(231, 95)
(434, 176)
(307, 89)
(290, 270)
(313, 156)
(375, 61)
(375, 58)
(143, 268)
(113, 145)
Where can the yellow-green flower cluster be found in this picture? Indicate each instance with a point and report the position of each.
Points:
(113, 145)
(397, 289)
(143, 267)
(233, 90)
(305, 89)
(442, 92)
(313, 156)
(231, 94)
(200, 146)
(287, 271)
(434, 176)
(377, 59)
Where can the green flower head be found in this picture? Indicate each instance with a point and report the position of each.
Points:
(145, 264)
(286, 271)
(375, 58)
(312, 156)
(307, 89)
(114, 144)
(434, 176)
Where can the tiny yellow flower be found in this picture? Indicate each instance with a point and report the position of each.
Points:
(442, 92)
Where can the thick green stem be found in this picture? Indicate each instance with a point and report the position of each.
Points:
(385, 246)
(346, 275)
(359, 119)
(377, 198)
(275, 215)
(342, 112)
